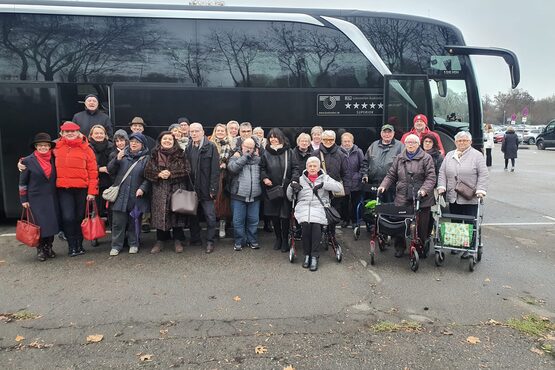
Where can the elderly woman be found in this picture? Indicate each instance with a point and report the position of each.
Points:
(131, 193)
(309, 211)
(316, 134)
(467, 165)
(301, 153)
(222, 202)
(509, 147)
(167, 170)
(430, 146)
(37, 190)
(413, 174)
(352, 180)
(177, 133)
(259, 133)
(275, 172)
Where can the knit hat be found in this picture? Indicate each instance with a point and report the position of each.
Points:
(42, 137)
(420, 117)
(183, 119)
(172, 126)
(138, 120)
(121, 133)
(70, 126)
(92, 96)
(138, 136)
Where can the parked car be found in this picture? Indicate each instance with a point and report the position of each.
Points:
(499, 136)
(546, 139)
(531, 134)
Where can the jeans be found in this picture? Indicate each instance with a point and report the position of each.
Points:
(123, 225)
(207, 207)
(245, 221)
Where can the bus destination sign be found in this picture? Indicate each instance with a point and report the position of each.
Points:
(350, 105)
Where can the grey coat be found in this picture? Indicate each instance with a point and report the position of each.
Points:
(245, 181)
(471, 168)
(406, 186)
(127, 198)
(379, 158)
(308, 208)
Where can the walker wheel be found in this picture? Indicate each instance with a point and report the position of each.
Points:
(479, 256)
(372, 261)
(338, 252)
(414, 261)
(292, 254)
(472, 263)
(440, 257)
(356, 232)
(372, 251)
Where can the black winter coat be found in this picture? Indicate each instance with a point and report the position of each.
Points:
(299, 162)
(126, 198)
(102, 152)
(41, 194)
(87, 119)
(510, 145)
(205, 169)
(334, 161)
(272, 166)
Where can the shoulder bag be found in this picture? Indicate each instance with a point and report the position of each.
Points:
(185, 202)
(111, 193)
(336, 194)
(92, 226)
(278, 191)
(464, 190)
(26, 231)
(332, 214)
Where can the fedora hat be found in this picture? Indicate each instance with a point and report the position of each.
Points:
(138, 120)
(42, 137)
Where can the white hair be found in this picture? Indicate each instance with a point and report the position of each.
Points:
(313, 159)
(413, 137)
(303, 135)
(328, 133)
(466, 134)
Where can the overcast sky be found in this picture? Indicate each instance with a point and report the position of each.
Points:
(525, 27)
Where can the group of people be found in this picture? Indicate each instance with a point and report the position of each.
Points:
(239, 175)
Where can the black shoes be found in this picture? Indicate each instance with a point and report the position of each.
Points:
(399, 254)
(277, 245)
(313, 263)
(306, 261)
(41, 256)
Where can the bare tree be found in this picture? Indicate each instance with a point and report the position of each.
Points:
(193, 60)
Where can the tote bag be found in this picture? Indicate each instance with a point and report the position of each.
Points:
(92, 225)
(26, 231)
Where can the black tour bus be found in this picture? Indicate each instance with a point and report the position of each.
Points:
(288, 68)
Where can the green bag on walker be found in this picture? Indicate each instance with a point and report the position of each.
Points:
(456, 235)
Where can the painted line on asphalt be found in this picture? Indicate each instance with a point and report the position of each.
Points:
(8, 234)
(550, 218)
(518, 223)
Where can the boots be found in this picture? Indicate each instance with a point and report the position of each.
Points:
(79, 246)
(41, 256)
(306, 261)
(277, 244)
(285, 244)
(178, 246)
(313, 263)
(156, 248)
(72, 248)
(49, 251)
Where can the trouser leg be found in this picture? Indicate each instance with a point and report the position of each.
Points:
(423, 222)
(119, 225)
(316, 238)
(162, 235)
(307, 238)
(178, 233)
(252, 220)
(211, 222)
(239, 215)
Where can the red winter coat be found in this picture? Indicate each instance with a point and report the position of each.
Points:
(425, 132)
(76, 165)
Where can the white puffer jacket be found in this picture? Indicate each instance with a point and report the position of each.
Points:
(307, 207)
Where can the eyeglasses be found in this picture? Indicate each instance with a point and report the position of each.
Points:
(328, 139)
(462, 140)
(411, 142)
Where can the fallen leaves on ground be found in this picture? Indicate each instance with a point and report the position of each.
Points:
(537, 351)
(19, 315)
(94, 338)
(289, 368)
(447, 332)
(163, 331)
(2, 262)
(19, 338)
(145, 357)
(89, 263)
(260, 349)
(493, 322)
(473, 340)
(237, 298)
(39, 345)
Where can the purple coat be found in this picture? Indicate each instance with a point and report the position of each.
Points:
(352, 180)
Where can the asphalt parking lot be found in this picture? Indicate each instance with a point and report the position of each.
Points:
(253, 309)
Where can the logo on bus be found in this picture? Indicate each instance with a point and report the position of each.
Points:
(350, 105)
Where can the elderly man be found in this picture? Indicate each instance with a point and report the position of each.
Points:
(246, 191)
(137, 125)
(246, 132)
(420, 129)
(205, 172)
(379, 158)
(92, 116)
(183, 123)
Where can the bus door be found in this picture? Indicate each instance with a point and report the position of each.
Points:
(27, 109)
(71, 98)
(404, 97)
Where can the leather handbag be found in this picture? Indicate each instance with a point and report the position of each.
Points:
(336, 194)
(278, 191)
(112, 192)
(184, 202)
(26, 231)
(464, 190)
(92, 225)
(332, 214)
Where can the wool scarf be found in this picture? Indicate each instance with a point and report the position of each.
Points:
(44, 162)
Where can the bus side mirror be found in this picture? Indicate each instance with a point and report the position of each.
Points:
(441, 88)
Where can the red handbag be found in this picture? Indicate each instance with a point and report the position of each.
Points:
(26, 231)
(92, 225)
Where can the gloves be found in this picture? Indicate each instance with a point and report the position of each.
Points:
(317, 187)
(296, 187)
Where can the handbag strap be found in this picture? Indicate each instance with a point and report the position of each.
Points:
(88, 209)
(129, 170)
(322, 160)
(27, 215)
(317, 196)
(285, 169)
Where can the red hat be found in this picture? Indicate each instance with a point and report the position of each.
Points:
(420, 117)
(69, 126)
